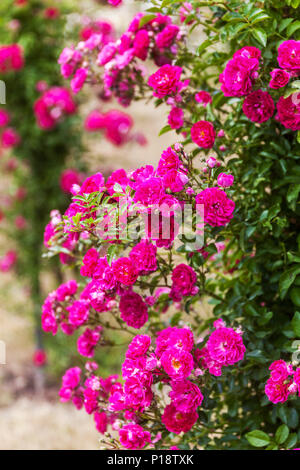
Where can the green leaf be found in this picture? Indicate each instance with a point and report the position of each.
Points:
(258, 438)
(260, 35)
(292, 195)
(296, 324)
(284, 24)
(145, 19)
(203, 46)
(293, 27)
(287, 279)
(165, 129)
(291, 441)
(282, 434)
(258, 16)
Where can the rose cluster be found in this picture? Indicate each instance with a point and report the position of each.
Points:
(284, 382)
(241, 75)
(115, 125)
(9, 137)
(11, 58)
(52, 106)
(159, 194)
(173, 364)
(122, 74)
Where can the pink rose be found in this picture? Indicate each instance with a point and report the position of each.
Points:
(218, 208)
(225, 180)
(133, 436)
(289, 111)
(166, 81)
(289, 55)
(259, 106)
(280, 78)
(203, 134)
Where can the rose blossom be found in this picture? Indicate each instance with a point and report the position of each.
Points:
(177, 363)
(133, 310)
(280, 78)
(101, 421)
(78, 312)
(167, 36)
(176, 118)
(184, 280)
(259, 106)
(239, 74)
(289, 111)
(138, 346)
(203, 134)
(141, 44)
(125, 271)
(173, 337)
(185, 395)
(133, 436)
(166, 81)
(289, 55)
(225, 346)
(218, 208)
(176, 421)
(203, 97)
(143, 256)
(225, 180)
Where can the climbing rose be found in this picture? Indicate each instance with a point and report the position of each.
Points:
(239, 75)
(176, 421)
(4, 118)
(79, 80)
(225, 180)
(149, 192)
(101, 421)
(133, 310)
(87, 342)
(180, 338)
(90, 262)
(289, 55)
(289, 111)
(141, 44)
(203, 134)
(133, 436)
(10, 138)
(143, 256)
(218, 208)
(259, 106)
(225, 346)
(185, 395)
(175, 118)
(78, 312)
(138, 346)
(203, 97)
(52, 106)
(125, 271)
(167, 36)
(11, 58)
(177, 363)
(184, 280)
(166, 81)
(279, 78)
(277, 392)
(68, 178)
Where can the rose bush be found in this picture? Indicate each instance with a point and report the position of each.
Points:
(188, 380)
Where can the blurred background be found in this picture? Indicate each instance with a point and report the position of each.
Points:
(34, 179)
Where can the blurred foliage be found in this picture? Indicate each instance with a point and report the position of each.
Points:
(45, 153)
